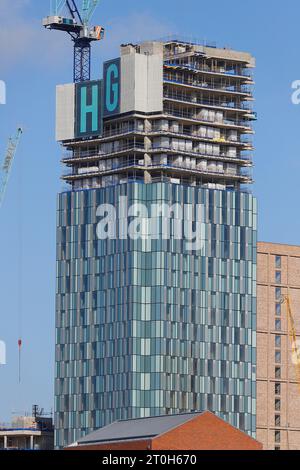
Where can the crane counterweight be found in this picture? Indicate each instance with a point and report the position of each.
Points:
(76, 24)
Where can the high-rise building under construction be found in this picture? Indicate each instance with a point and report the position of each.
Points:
(151, 325)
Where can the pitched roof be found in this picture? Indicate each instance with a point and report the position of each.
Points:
(141, 428)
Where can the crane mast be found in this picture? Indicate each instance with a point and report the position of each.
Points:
(67, 17)
(8, 161)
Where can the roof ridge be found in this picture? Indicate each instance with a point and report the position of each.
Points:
(157, 416)
(170, 421)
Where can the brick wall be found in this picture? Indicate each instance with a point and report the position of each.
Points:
(125, 445)
(289, 396)
(204, 432)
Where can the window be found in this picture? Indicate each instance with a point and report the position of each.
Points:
(95, 303)
(168, 311)
(278, 293)
(277, 420)
(277, 357)
(277, 447)
(277, 436)
(278, 262)
(277, 341)
(278, 325)
(210, 267)
(195, 401)
(278, 277)
(278, 372)
(278, 310)
(277, 389)
(277, 404)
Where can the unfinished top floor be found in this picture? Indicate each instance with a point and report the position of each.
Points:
(218, 59)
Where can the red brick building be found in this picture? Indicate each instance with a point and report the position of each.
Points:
(278, 397)
(192, 431)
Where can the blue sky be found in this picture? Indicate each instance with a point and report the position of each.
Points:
(33, 61)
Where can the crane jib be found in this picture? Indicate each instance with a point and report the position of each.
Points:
(68, 17)
(69, 7)
(7, 163)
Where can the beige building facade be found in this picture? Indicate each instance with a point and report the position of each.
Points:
(27, 433)
(278, 393)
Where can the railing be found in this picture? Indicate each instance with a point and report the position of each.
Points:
(222, 172)
(69, 155)
(198, 154)
(158, 179)
(101, 153)
(245, 173)
(155, 130)
(114, 166)
(214, 140)
(188, 40)
(216, 103)
(136, 164)
(194, 117)
(243, 89)
(246, 140)
(162, 149)
(217, 70)
(129, 130)
(159, 148)
(237, 122)
(178, 113)
(37, 426)
(116, 132)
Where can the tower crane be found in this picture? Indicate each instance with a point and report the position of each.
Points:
(4, 177)
(293, 338)
(8, 161)
(294, 344)
(67, 17)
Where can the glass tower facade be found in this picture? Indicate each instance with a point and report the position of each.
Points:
(155, 327)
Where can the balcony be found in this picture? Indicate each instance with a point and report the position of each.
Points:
(91, 156)
(222, 156)
(95, 171)
(243, 176)
(242, 90)
(197, 137)
(123, 132)
(239, 73)
(208, 103)
(77, 156)
(195, 118)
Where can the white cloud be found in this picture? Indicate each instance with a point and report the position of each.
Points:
(23, 40)
(6, 6)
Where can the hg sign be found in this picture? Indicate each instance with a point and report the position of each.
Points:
(96, 100)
